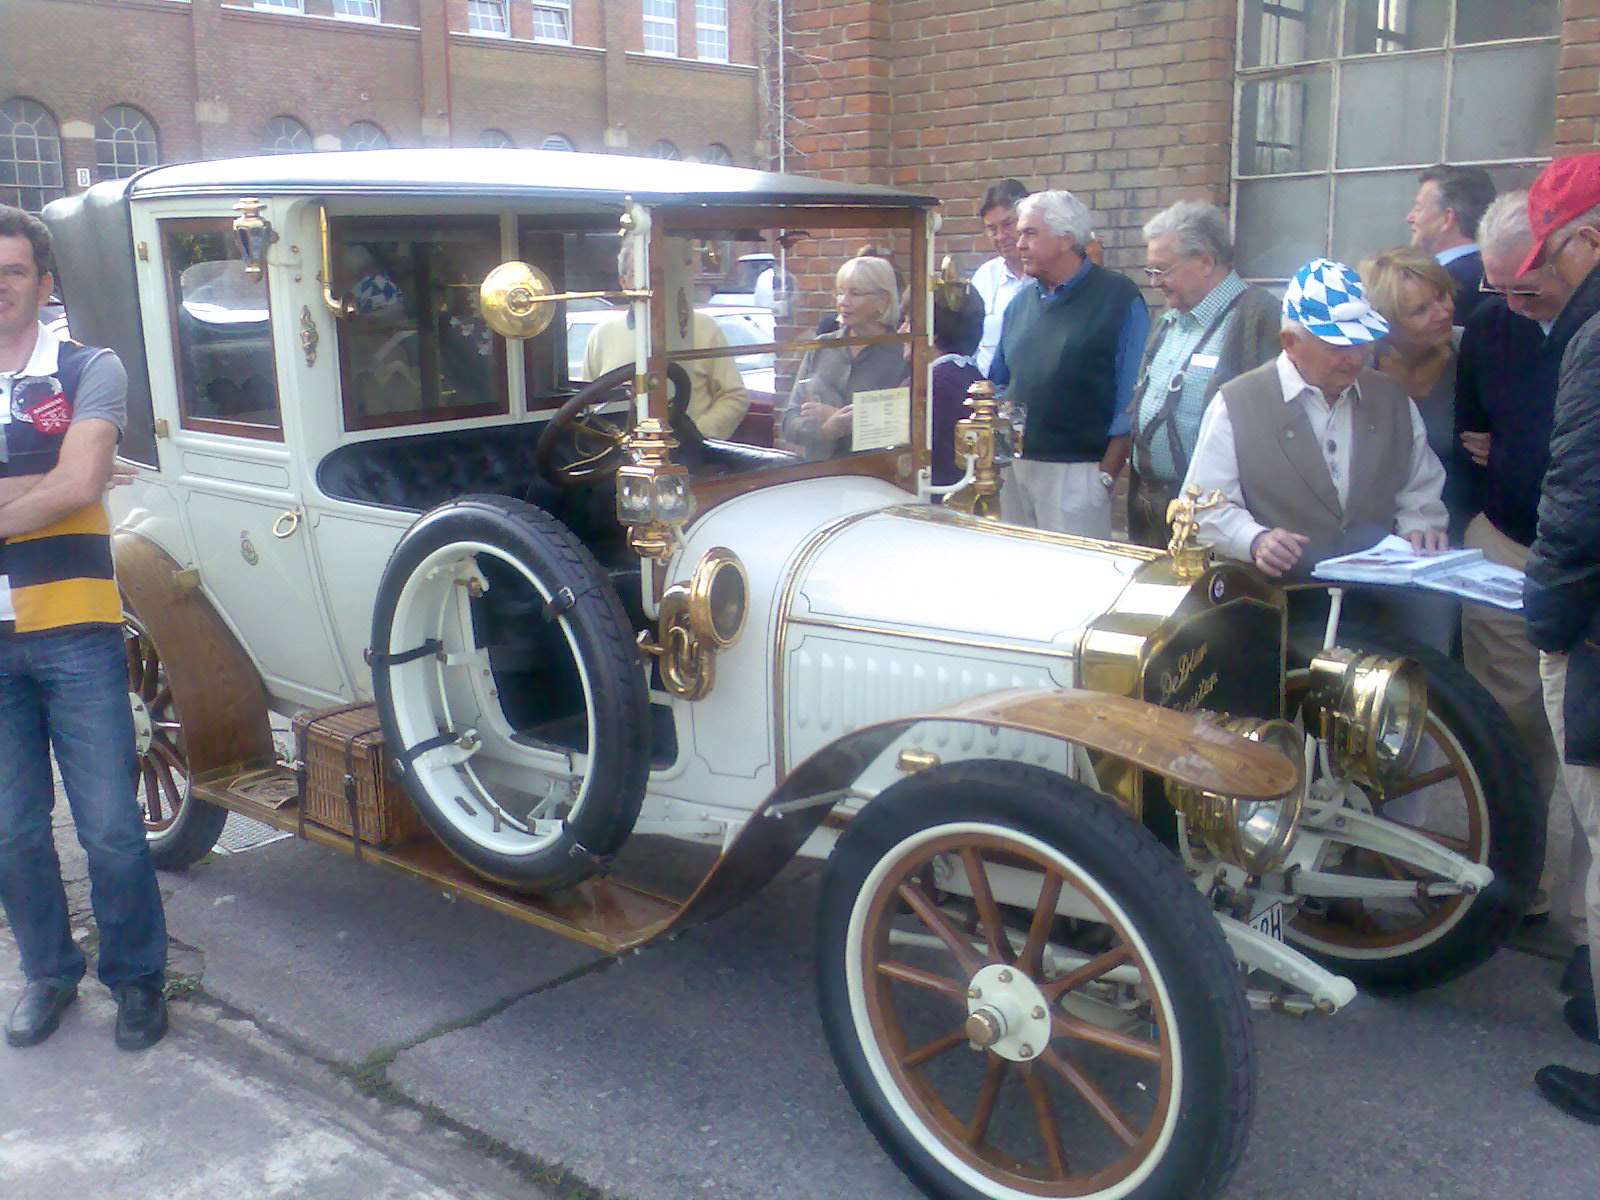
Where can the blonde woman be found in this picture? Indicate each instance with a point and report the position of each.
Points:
(816, 421)
(1417, 297)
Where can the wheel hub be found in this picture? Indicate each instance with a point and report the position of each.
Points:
(1007, 1013)
(143, 727)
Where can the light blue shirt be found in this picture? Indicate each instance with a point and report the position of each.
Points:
(1449, 256)
(1180, 349)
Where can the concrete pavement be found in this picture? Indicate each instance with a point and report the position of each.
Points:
(695, 1069)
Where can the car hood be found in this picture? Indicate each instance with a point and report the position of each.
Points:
(925, 569)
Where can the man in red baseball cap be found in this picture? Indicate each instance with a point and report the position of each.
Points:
(1562, 597)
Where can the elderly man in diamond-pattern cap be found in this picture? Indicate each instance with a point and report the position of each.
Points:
(1314, 453)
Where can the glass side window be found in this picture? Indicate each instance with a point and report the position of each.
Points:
(415, 347)
(222, 333)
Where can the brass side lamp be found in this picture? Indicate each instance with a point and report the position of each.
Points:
(255, 235)
(653, 498)
(975, 435)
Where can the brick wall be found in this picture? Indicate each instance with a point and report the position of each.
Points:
(1578, 84)
(1127, 103)
(211, 73)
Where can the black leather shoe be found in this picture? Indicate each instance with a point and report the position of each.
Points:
(1576, 980)
(141, 1016)
(1573, 1092)
(1580, 1015)
(38, 1012)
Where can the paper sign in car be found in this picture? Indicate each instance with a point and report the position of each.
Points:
(880, 418)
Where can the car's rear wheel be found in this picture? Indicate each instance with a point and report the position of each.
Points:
(1025, 996)
(180, 827)
(510, 692)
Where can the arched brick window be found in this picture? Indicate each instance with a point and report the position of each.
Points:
(285, 135)
(124, 142)
(30, 155)
(363, 135)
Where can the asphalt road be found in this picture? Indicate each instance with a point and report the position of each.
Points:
(354, 1034)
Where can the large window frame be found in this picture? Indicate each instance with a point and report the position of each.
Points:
(488, 18)
(1287, 117)
(552, 21)
(660, 27)
(711, 30)
(31, 172)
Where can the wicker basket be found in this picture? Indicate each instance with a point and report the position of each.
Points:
(343, 776)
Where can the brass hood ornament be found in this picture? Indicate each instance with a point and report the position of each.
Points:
(1190, 558)
(975, 435)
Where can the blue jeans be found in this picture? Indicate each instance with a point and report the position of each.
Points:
(69, 691)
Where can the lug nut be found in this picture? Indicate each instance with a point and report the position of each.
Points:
(1038, 1012)
(1004, 977)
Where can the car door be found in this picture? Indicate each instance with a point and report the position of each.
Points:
(236, 476)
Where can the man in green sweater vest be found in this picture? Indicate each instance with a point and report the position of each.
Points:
(1068, 357)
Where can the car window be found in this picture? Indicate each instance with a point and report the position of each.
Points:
(221, 332)
(413, 346)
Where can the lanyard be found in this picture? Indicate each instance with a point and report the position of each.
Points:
(1169, 404)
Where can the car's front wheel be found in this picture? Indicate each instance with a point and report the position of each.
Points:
(1026, 997)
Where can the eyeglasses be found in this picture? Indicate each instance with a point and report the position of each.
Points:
(1157, 274)
(1523, 293)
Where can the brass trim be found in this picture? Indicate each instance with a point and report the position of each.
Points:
(941, 515)
(338, 307)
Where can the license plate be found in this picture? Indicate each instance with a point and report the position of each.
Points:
(1269, 921)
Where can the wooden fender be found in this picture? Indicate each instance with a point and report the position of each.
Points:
(215, 687)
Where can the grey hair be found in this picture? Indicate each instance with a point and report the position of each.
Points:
(876, 275)
(1196, 228)
(1504, 227)
(1062, 213)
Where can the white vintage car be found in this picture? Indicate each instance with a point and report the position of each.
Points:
(1078, 806)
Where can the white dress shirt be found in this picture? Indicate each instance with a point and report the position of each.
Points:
(1230, 527)
(995, 283)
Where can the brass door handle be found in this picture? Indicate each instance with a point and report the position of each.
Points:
(286, 524)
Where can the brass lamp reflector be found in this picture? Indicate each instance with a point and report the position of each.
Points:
(515, 299)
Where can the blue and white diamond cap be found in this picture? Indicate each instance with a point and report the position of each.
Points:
(1328, 299)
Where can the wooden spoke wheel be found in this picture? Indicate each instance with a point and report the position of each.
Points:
(180, 827)
(1027, 997)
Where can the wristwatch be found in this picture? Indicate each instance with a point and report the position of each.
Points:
(1108, 479)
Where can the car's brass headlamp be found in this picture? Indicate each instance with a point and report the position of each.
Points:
(1370, 711)
(1253, 834)
(697, 619)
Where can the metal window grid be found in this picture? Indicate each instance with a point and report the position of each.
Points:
(1278, 21)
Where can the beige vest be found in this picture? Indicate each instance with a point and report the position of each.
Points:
(1285, 479)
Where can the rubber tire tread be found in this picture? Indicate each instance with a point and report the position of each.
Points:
(191, 836)
(619, 748)
(1516, 815)
(1201, 971)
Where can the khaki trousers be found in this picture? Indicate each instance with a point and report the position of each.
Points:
(1496, 650)
(1062, 497)
(1583, 785)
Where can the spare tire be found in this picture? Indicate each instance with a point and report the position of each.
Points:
(512, 698)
